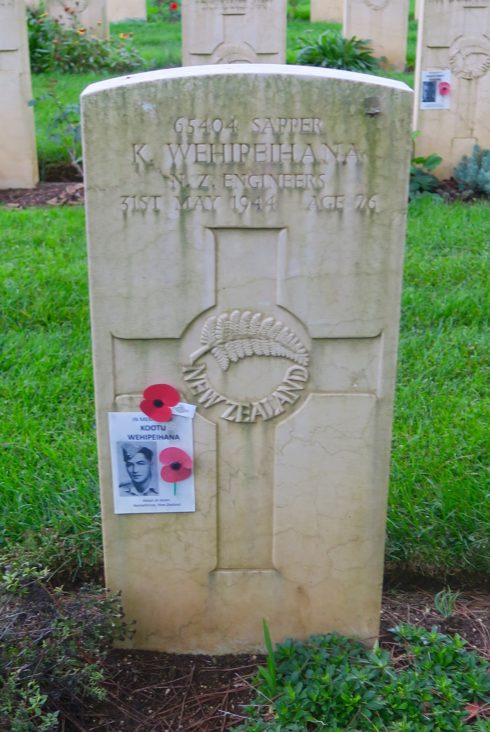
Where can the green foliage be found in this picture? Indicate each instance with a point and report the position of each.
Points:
(331, 50)
(52, 649)
(54, 47)
(472, 173)
(439, 515)
(334, 683)
(164, 10)
(445, 602)
(50, 506)
(421, 179)
(268, 673)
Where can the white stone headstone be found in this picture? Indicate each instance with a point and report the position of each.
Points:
(118, 10)
(452, 80)
(328, 10)
(90, 14)
(233, 31)
(18, 159)
(246, 228)
(384, 23)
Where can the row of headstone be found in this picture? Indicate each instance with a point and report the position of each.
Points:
(245, 227)
(93, 15)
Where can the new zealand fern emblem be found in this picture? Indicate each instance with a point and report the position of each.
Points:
(234, 335)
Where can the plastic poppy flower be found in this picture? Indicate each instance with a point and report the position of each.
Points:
(158, 400)
(177, 465)
(444, 88)
(173, 6)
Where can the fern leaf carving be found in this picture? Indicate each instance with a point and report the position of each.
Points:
(237, 334)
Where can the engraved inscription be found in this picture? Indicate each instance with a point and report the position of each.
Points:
(211, 167)
(272, 405)
(233, 336)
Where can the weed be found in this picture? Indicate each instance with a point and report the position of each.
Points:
(445, 602)
(53, 646)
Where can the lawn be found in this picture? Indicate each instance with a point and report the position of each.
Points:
(439, 517)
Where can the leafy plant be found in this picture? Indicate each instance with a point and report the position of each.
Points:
(421, 179)
(268, 673)
(336, 683)
(53, 47)
(166, 10)
(472, 173)
(53, 645)
(445, 602)
(331, 50)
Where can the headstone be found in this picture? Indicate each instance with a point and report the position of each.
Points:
(118, 10)
(452, 80)
(18, 159)
(233, 31)
(249, 254)
(384, 23)
(89, 14)
(328, 10)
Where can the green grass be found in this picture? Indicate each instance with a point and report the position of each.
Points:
(49, 481)
(440, 512)
(439, 518)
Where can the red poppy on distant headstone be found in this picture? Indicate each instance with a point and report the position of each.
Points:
(158, 400)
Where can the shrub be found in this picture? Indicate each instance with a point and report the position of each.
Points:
(166, 10)
(333, 51)
(335, 683)
(53, 47)
(52, 647)
(472, 173)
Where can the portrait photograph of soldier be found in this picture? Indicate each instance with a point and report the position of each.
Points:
(137, 469)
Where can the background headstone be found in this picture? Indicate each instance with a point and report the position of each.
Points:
(118, 10)
(18, 159)
(233, 31)
(90, 14)
(454, 39)
(330, 10)
(250, 255)
(384, 23)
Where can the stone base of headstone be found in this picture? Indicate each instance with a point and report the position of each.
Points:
(246, 228)
(18, 158)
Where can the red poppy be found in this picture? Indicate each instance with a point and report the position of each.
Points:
(177, 465)
(444, 88)
(173, 6)
(157, 401)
